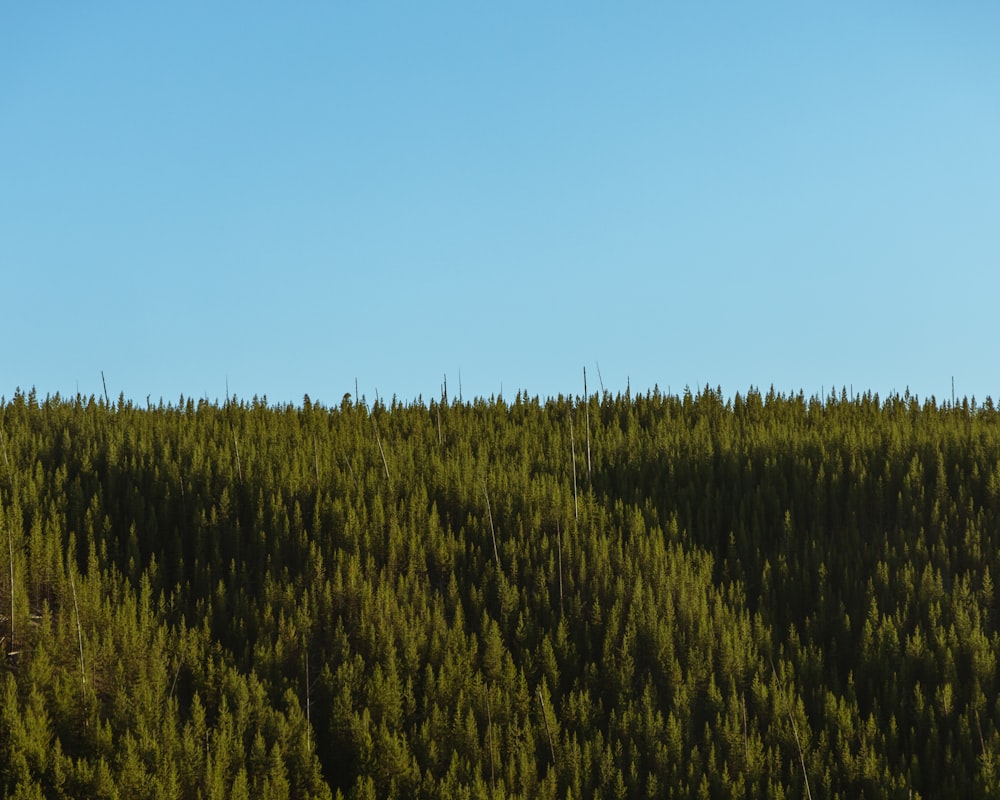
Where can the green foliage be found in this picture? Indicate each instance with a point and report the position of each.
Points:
(738, 598)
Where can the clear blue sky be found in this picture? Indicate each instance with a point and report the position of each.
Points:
(294, 196)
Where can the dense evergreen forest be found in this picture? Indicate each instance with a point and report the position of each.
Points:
(653, 596)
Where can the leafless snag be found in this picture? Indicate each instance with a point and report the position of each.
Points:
(559, 535)
(378, 440)
(351, 470)
(79, 629)
(746, 739)
(489, 739)
(10, 549)
(493, 533)
(572, 447)
(795, 733)
(548, 730)
(316, 459)
(236, 444)
(586, 399)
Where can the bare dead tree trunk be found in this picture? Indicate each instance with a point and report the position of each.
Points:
(351, 470)
(979, 727)
(795, 733)
(308, 704)
(236, 444)
(79, 629)
(746, 739)
(548, 730)
(493, 533)
(802, 758)
(586, 399)
(378, 441)
(177, 673)
(572, 447)
(559, 535)
(316, 459)
(10, 548)
(489, 739)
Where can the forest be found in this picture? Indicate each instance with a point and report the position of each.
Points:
(590, 596)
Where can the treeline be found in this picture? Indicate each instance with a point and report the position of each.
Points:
(652, 596)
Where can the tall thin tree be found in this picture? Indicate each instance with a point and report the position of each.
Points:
(79, 628)
(586, 399)
(559, 537)
(10, 548)
(548, 730)
(489, 739)
(572, 447)
(493, 533)
(378, 439)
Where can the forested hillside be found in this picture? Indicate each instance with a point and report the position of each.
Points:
(651, 596)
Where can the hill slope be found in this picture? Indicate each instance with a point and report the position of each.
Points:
(652, 596)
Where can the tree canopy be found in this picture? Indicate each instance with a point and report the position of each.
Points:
(642, 596)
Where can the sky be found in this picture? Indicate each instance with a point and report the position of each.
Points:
(289, 199)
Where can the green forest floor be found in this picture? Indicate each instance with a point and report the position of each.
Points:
(650, 596)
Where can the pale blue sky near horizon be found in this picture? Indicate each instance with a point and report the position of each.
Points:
(291, 199)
